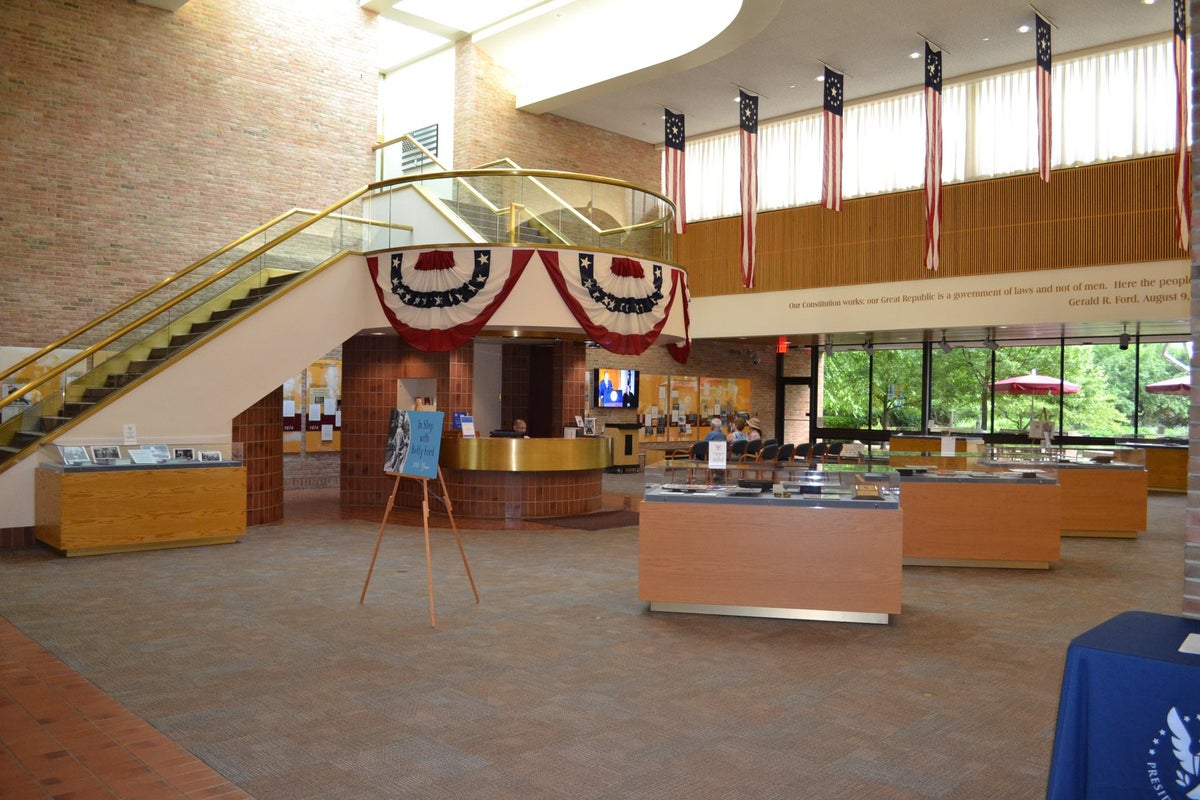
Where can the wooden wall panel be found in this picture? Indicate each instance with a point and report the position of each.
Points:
(1088, 216)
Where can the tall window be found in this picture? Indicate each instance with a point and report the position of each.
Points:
(1107, 106)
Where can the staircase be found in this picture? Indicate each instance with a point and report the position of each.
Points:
(123, 370)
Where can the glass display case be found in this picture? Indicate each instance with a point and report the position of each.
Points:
(765, 485)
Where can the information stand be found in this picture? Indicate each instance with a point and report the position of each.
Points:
(414, 441)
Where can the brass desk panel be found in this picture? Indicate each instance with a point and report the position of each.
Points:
(526, 455)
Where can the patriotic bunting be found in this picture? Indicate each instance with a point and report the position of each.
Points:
(620, 303)
(1045, 121)
(831, 185)
(673, 168)
(748, 139)
(933, 158)
(1183, 171)
(438, 300)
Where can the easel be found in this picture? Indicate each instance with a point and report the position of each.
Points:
(445, 498)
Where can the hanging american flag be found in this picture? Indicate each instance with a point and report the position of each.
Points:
(933, 158)
(1183, 177)
(831, 185)
(673, 167)
(1045, 134)
(748, 139)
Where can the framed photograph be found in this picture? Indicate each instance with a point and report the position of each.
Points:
(142, 456)
(72, 454)
(210, 455)
(185, 454)
(105, 453)
(589, 426)
(160, 451)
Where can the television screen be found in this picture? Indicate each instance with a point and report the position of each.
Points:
(615, 388)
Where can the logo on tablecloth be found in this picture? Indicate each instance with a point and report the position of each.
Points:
(1174, 765)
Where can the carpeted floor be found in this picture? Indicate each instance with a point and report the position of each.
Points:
(258, 658)
(598, 521)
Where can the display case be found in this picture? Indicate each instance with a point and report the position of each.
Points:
(98, 499)
(981, 518)
(819, 545)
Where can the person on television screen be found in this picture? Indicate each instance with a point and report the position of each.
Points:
(717, 434)
(604, 389)
(520, 427)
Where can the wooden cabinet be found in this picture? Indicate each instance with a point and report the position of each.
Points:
(753, 558)
(93, 510)
(981, 522)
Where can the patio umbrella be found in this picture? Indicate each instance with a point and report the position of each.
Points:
(1181, 384)
(1033, 383)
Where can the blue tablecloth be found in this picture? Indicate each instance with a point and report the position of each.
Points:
(1129, 713)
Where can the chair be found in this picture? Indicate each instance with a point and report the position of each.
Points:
(817, 454)
(786, 451)
(737, 450)
(752, 450)
(769, 452)
(802, 449)
(699, 451)
(834, 453)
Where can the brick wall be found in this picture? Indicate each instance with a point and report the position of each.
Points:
(138, 140)
(487, 126)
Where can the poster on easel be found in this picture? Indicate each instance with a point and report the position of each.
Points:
(414, 443)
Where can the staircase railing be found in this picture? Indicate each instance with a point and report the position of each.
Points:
(528, 205)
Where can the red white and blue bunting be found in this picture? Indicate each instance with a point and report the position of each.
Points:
(438, 301)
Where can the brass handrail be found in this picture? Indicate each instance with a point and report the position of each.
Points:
(63, 366)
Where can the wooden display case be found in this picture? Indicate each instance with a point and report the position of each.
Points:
(823, 559)
(981, 521)
(90, 510)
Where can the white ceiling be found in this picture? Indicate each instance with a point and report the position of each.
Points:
(776, 48)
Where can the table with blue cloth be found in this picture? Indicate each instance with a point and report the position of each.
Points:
(1129, 713)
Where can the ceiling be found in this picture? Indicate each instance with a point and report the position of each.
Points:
(772, 48)
(776, 49)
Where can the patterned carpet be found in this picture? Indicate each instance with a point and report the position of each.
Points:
(258, 658)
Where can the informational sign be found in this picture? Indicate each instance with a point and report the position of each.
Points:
(414, 443)
(467, 424)
(716, 455)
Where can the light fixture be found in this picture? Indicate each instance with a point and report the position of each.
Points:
(829, 349)
(946, 348)
(1123, 339)
(781, 346)
(869, 347)
(1023, 29)
(990, 344)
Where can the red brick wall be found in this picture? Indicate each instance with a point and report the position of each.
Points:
(138, 140)
(487, 126)
(259, 430)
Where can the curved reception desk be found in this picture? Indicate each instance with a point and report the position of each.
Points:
(525, 478)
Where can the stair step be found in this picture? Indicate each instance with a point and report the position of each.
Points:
(223, 314)
(23, 439)
(7, 452)
(183, 339)
(139, 367)
(163, 353)
(73, 408)
(244, 302)
(278, 280)
(94, 394)
(119, 380)
(204, 327)
(50, 423)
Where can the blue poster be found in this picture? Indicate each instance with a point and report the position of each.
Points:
(414, 443)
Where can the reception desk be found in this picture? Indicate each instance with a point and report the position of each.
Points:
(525, 478)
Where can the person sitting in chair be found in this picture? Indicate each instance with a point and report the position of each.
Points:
(520, 427)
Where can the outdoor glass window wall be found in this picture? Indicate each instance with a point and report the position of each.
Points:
(1089, 392)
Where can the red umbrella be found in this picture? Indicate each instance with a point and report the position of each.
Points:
(1178, 385)
(1034, 384)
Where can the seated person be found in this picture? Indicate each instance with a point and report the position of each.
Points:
(717, 434)
(520, 427)
(738, 434)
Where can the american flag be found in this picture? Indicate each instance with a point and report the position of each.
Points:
(831, 185)
(1183, 177)
(1043, 98)
(673, 168)
(933, 158)
(748, 139)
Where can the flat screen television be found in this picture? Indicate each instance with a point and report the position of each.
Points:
(614, 388)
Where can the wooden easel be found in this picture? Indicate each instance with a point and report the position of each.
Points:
(445, 498)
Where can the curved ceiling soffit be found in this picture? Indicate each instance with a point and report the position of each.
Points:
(752, 18)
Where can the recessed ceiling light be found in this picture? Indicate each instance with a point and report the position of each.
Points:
(820, 78)
(914, 54)
(1023, 29)
(1147, 2)
(987, 38)
(791, 86)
